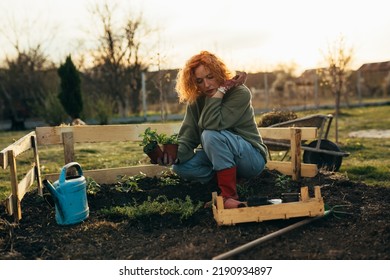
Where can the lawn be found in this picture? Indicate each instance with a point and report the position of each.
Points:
(369, 161)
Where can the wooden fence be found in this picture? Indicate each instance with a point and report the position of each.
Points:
(68, 136)
(8, 159)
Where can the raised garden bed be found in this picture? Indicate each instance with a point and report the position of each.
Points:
(361, 234)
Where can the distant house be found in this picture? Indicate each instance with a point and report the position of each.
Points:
(308, 77)
(375, 67)
(375, 78)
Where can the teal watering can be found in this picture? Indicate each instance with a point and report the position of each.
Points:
(70, 196)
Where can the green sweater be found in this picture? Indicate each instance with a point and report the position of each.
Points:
(233, 112)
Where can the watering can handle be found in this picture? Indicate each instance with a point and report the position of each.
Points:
(62, 178)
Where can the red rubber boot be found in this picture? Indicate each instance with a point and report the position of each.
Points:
(227, 183)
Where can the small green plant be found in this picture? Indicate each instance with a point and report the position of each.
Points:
(169, 181)
(283, 182)
(170, 144)
(243, 190)
(92, 187)
(150, 139)
(151, 136)
(168, 139)
(169, 178)
(129, 183)
(161, 205)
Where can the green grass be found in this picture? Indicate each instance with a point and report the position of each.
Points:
(51, 158)
(368, 162)
(369, 159)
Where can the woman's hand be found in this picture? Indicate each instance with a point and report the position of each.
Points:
(240, 78)
(237, 80)
(166, 160)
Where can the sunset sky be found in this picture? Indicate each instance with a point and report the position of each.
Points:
(250, 35)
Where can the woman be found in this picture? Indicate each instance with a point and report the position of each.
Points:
(219, 118)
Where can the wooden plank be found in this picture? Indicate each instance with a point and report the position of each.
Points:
(317, 191)
(19, 147)
(295, 134)
(17, 211)
(131, 132)
(51, 135)
(100, 133)
(68, 144)
(22, 188)
(37, 164)
(307, 170)
(9, 207)
(305, 194)
(281, 133)
(219, 201)
(26, 183)
(111, 175)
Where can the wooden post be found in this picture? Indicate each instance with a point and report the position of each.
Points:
(296, 135)
(68, 143)
(305, 194)
(37, 166)
(317, 192)
(16, 208)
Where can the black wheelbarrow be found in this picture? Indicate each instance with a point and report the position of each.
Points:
(322, 152)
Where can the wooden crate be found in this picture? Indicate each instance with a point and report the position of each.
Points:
(305, 207)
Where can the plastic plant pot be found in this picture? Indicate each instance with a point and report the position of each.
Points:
(171, 150)
(154, 152)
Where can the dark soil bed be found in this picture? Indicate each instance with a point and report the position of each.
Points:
(362, 233)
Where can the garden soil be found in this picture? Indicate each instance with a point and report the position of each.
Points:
(358, 228)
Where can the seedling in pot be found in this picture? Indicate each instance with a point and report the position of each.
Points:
(150, 140)
(165, 139)
(170, 144)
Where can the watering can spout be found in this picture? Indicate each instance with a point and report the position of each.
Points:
(54, 193)
(50, 187)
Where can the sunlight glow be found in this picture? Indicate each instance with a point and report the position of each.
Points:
(249, 35)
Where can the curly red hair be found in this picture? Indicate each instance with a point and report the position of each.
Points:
(186, 86)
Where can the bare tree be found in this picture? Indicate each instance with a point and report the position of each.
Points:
(338, 59)
(22, 85)
(23, 81)
(118, 64)
(160, 83)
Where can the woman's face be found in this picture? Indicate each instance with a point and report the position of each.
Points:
(205, 80)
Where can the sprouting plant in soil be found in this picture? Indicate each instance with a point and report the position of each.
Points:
(283, 182)
(161, 205)
(168, 178)
(129, 183)
(92, 186)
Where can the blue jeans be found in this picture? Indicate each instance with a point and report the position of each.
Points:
(221, 150)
